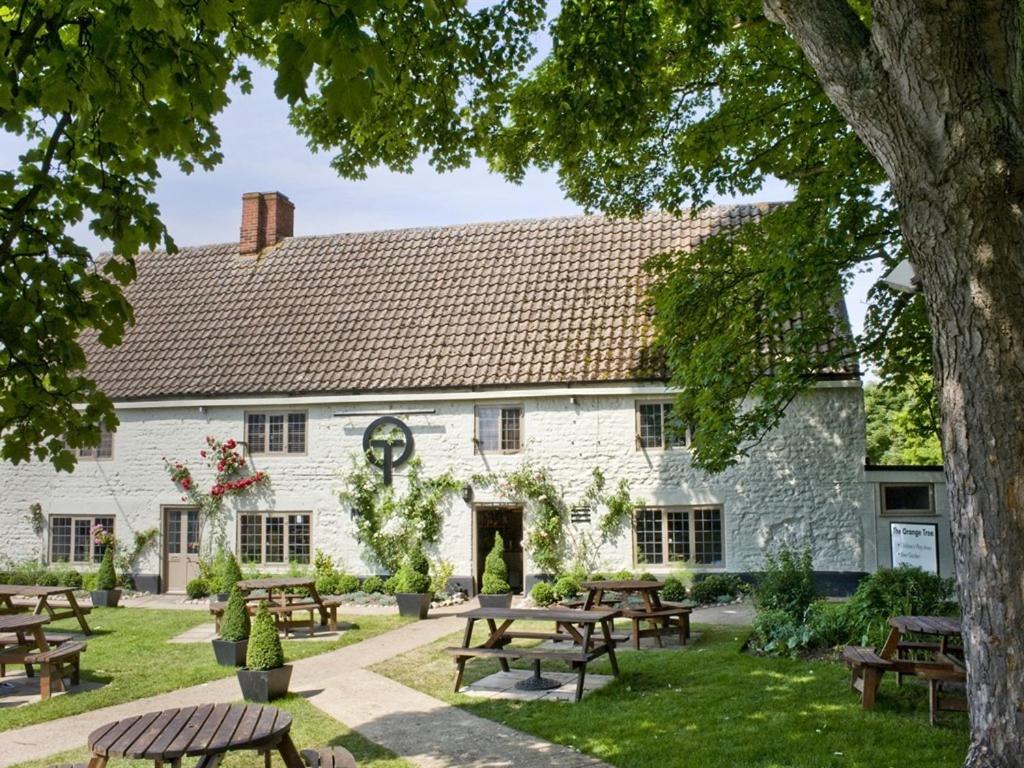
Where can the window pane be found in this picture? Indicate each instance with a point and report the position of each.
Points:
(174, 532)
(192, 531)
(275, 539)
(488, 422)
(907, 498)
(649, 423)
(296, 433)
(675, 431)
(83, 540)
(275, 433)
(511, 418)
(250, 539)
(60, 539)
(707, 530)
(678, 536)
(256, 432)
(105, 450)
(298, 538)
(648, 537)
(99, 549)
(86, 452)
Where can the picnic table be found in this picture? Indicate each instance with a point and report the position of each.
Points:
(282, 601)
(32, 647)
(942, 663)
(588, 632)
(42, 597)
(208, 732)
(663, 617)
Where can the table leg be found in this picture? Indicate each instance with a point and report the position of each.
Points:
(78, 613)
(97, 761)
(495, 640)
(610, 644)
(289, 754)
(891, 645)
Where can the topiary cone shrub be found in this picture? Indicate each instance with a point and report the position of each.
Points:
(412, 586)
(265, 676)
(232, 645)
(231, 573)
(495, 591)
(106, 593)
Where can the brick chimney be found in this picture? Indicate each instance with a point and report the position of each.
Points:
(267, 219)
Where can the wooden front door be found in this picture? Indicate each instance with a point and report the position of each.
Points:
(508, 521)
(181, 547)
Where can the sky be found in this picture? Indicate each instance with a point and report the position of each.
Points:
(263, 152)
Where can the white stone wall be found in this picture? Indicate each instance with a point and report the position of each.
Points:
(804, 482)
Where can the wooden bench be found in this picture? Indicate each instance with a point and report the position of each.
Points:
(328, 757)
(327, 608)
(669, 619)
(51, 666)
(284, 616)
(866, 668)
(11, 641)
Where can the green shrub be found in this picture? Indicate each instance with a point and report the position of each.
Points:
(831, 623)
(414, 575)
(715, 586)
(787, 583)
(89, 579)
(229, 572)
(373, 585)
(647, 576)
(68, 577)
(327, 583)
(542, 593)
(598, 577)
(391, 584)
(235, 625)
(107, 579)
(197, 589)
(264, 651)
(495, 581)
(776, 632)
(623, 575)
(566, 588)
(902, 591)
(674, 590)
(345, 584)
(441, 574)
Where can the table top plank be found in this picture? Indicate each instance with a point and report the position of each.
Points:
(622, 585)
(127, 740)
(248, 723)
(210, 728)
(570, 615)
(142, 745)
(14, 622)
(156, 749)
(180, 744)
(290, 582)
(31, 590)
(103, 744)
(228, 728)
(927, 625)
(265, 725)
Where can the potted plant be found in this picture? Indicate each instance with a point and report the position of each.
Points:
(106, 594)
(412, 586)
(495, 591)
(230, 648)
(265, 676)
(229, 573)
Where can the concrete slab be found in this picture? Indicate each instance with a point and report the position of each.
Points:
(502, 685)
(17, 690)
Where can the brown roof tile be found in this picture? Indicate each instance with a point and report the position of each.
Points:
(510, 303)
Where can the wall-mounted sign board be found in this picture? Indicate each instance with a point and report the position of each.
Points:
(915, 544)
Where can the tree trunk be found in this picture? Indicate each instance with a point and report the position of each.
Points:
(934, 91)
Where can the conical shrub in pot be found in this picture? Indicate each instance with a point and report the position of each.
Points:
(495, 591)
(231, 647)
(230, 573)
(265, 675)
(412, 586)
(106, 593)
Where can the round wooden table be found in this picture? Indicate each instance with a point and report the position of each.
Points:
(207, 731)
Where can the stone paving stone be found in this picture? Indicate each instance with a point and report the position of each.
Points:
(17, 690)
(501, 685)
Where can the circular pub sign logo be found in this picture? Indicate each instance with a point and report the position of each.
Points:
(388, 443)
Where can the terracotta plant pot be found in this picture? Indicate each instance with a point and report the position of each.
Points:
(495, 601)
(264, 685)
(413, 604)
(230, 653)
(105, 598)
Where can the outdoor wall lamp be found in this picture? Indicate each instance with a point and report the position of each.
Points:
(354, 513)
(467, 493)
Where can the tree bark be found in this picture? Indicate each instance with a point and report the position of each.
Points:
(934, 91)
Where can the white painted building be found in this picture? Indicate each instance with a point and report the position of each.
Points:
(497, 345)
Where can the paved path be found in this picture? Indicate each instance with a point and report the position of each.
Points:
(420, 728)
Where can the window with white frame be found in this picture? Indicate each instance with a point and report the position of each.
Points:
(656, 427)
(275, 433)
(105, 450)
(72, 540)
(269, 538)
(908, 499)
(499, 429)
(668, 535)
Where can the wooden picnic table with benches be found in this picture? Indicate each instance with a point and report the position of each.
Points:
(282, 602)
(943, 662)
(208, 732)
(587, 632)
(42, 604)
(662, 616)
(31, 646)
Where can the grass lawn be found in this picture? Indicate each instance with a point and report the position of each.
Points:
(711, 706)
(128, 651)
(310, 728)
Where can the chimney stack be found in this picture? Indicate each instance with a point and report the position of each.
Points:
(267, 219)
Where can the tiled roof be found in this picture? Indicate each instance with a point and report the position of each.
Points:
(511, 303)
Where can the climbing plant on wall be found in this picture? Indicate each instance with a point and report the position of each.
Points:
(232, 476)
(389, 523)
